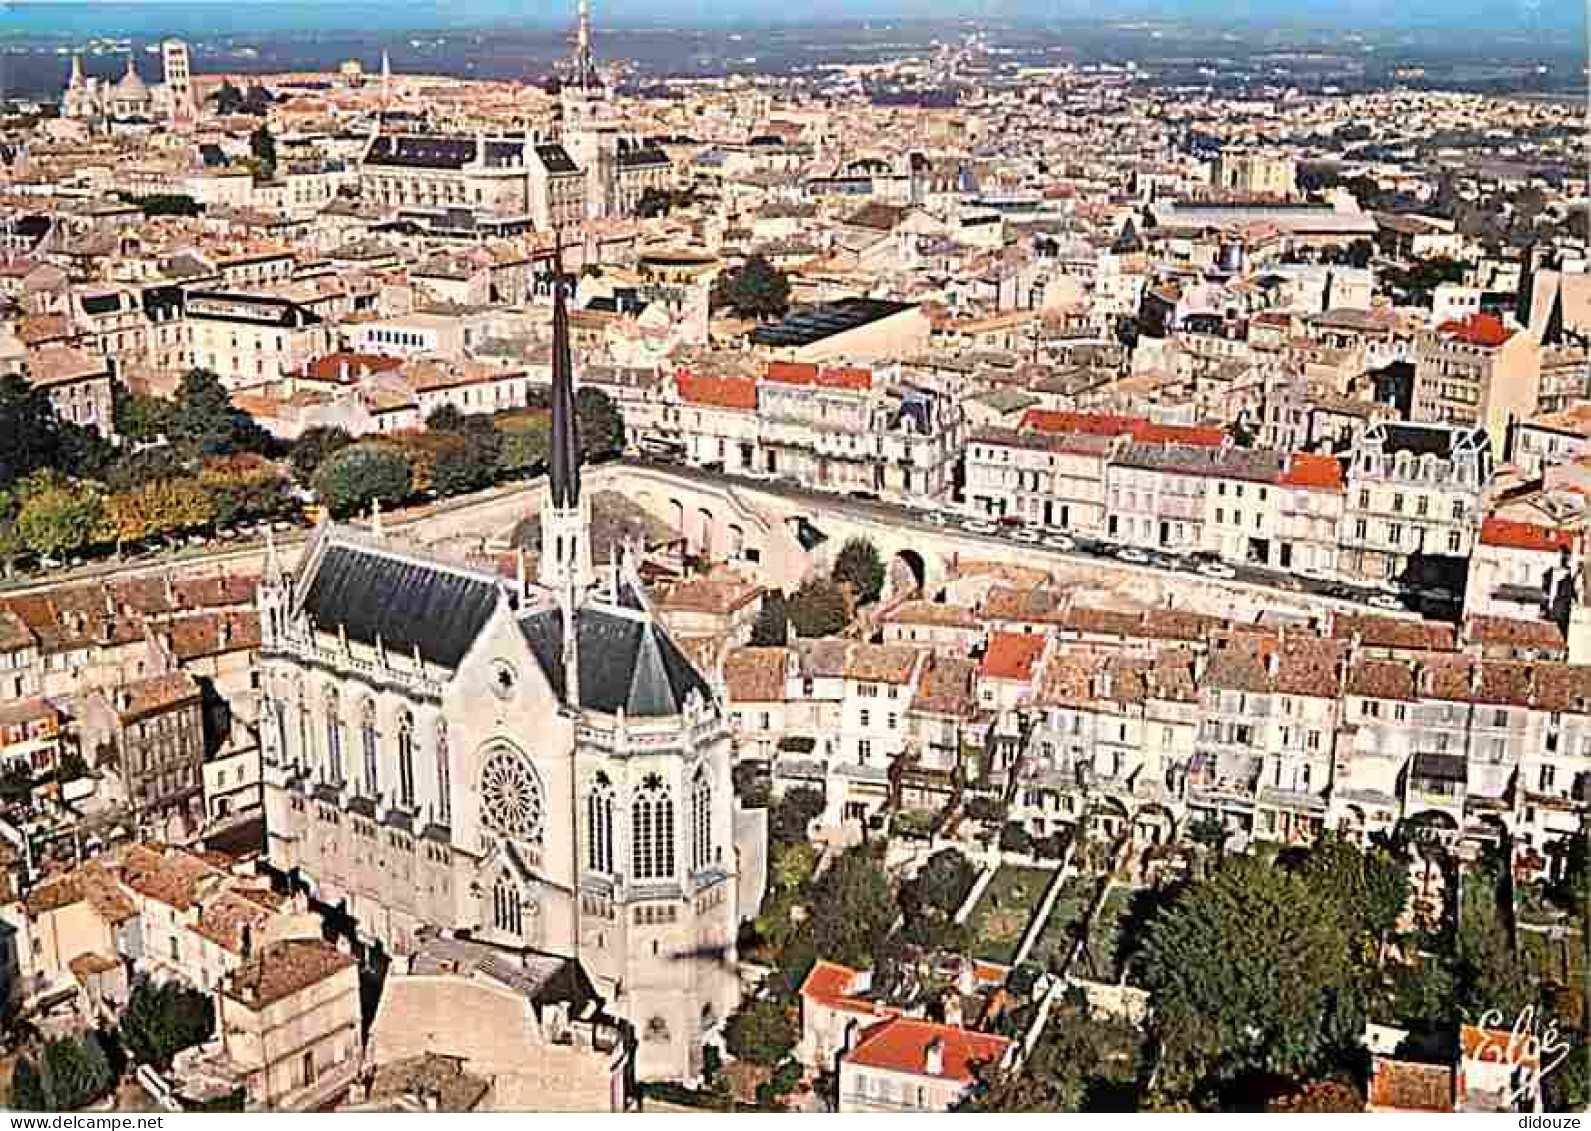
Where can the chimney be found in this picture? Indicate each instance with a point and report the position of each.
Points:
(224, 633)
(342, 370)
(122, 699)
(1273, 662)
(934, 1058)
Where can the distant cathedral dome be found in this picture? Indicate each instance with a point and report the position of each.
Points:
(131, 88)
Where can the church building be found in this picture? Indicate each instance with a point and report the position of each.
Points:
(532, 763)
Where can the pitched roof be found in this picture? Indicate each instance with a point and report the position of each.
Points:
(756, 675)
(1514, 535)
(1479, 329)
(1012, 655)
(901, 1044)
(1321, 473)
(627, 662)
(281, 969)
(717, 392)
(406, 601)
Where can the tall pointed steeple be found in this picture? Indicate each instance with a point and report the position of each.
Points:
(1525, 302)
(585, 66)
(565, 544)
(76, 78)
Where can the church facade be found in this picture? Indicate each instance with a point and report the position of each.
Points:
(533, 763)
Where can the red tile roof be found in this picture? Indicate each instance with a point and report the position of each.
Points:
(1011, 655)
(901, 1045)
(358, 365)
(830, 984)
(1106, 424)
(1479, 329)
(806, 373)
(718, 392)
(1524, 536)
(1321, 473)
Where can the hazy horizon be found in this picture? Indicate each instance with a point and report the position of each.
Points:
(137, 18)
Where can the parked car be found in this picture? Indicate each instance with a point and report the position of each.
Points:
(1218, 571)
(980, 526)
(1132, 556)
(1385, 601)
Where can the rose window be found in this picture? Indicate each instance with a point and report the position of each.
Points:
(511, 797)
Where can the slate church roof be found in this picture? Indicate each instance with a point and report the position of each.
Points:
(627, 662)
(405, 601)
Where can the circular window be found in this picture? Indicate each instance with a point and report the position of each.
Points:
(511, 797)
(504, 679)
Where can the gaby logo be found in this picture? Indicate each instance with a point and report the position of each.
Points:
(1533, 1049)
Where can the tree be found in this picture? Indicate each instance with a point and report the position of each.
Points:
(1082, 1060)
(203, 421)
(146, 465)
(853, 909)
(793, 813)
(1014, 837)
(445, 418)
(527, 442)
(348, 481)
(262, 144)
(757, 289)
(27, 1087)
(139, 416)
(161, 1021)
(600, 425)
(72, 1079)
(771, 629)
(1370, 886)
(819, 608)
(1247, 974)
(859, 566)
(244, 487)
(62, 518)
(941, 884)
(33, 438)
(313, 446)
(761, 1031)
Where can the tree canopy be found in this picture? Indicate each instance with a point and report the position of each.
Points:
(771, 629)
(1248, 972)
(756, 289)
(853, 909)
(203, 422)
(761, 1031)
(600, 424)
(819, 608)
(348, 481)
(162, 1020)
(859, 566)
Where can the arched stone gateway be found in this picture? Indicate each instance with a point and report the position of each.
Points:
(1154, 824)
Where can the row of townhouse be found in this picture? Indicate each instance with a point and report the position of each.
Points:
(839, 715)
(1405, 491)
(835, 428)
(168, 911)
(1143, 724)
(1280, 737)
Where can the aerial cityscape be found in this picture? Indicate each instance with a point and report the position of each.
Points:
(838, 561)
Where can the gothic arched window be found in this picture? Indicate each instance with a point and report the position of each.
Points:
(306, 746)
(652, 831)
(444, 776)
(406, 760)
(334, 736)
(701, 820)
(367, 740)
(599, 825)
(507, 911)
(511, 803)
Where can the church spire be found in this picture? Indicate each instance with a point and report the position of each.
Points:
(565, 541)
(564, 468)
(585, 67)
